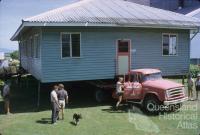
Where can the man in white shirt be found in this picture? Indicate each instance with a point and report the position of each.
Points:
(6, 96)
(55, 105)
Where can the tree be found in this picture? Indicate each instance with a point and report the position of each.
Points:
(15, 55)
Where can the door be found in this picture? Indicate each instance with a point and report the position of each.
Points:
(123, 57)
(133, 88)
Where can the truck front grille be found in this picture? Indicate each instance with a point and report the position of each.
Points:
(175, 93)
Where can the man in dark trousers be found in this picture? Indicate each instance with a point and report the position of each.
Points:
(54, 104)
(62, 98)
(6, 96)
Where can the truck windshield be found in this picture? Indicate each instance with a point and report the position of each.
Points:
(154, 76)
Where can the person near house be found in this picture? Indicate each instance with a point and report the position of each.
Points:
(190, 82)
(62, 98)
(197, 84)
(54, 104)
(119, 91)
(6, 96)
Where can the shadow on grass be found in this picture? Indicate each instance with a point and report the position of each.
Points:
(120, 109)
(24, 98)
(73, 123)
(44, 121)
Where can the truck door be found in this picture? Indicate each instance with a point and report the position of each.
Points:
(137, 87)
(133, 88)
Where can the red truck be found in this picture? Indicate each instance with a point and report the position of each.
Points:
(147, 87)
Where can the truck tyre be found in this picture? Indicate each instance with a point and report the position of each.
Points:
(100, 96)
(151, 104)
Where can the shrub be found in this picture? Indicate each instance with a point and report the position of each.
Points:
(14, 63)
(194, 70)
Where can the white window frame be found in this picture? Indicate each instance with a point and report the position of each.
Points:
(29, 47)
(26, 48)
(169, 34)
(70, 44)
(35, 49)
(23, 48)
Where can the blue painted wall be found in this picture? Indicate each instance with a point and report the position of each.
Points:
(32, 65)
(98, 53)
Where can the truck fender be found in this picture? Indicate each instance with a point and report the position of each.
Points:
(152, 93)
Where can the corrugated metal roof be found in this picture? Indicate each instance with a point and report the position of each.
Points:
(194, 13)
(114, 12)
(110, 13)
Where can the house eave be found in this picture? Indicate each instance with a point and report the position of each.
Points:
(59, 24)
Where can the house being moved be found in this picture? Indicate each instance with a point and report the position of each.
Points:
(99, 39)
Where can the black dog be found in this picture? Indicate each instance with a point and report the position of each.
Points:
(76, 118)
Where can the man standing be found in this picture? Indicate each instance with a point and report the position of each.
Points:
(54, 104)
(6, 96)
(62, 98)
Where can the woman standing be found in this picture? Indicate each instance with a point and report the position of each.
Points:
(197, 84)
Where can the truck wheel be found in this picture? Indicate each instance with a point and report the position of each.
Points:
(100, 96)
(151, 104)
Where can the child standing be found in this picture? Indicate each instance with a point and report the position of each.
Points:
(190, 87)
(119, 91)
(197, 84)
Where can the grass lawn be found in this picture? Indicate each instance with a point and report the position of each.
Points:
(98, 119)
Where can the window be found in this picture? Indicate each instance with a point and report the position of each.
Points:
(75, 42)
(22, 51)
(21, 48)
(26, 48)
(29, 47)
(70, 45)
(123, 46)
(169, 44)
(36, 46)
(32, 47)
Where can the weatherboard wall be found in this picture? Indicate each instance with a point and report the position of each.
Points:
(98, 53)
(32, 65)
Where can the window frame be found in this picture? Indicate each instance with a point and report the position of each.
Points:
(70, 44)
(32, 45)
(169, 34)
(39, 46)
(21, 53)
(29, 47)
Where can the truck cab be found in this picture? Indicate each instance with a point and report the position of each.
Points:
(147, 87)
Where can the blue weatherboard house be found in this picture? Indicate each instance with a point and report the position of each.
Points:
(99, 39)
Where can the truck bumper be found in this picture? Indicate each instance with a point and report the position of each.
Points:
(175, 101)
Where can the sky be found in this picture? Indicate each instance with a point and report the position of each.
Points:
(13, 11)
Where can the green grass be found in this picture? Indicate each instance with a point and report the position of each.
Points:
(97, 119)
